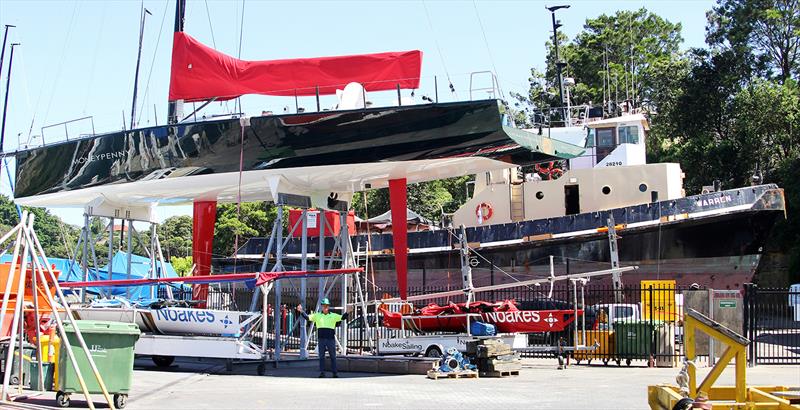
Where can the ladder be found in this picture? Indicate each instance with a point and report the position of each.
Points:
(517, 201)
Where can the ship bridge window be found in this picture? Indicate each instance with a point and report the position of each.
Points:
(605, 137)
(590, 138)
(629, 134)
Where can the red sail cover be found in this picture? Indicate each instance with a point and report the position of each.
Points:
(201, 73)
(505, 315)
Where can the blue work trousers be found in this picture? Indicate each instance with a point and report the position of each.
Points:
(330, 346)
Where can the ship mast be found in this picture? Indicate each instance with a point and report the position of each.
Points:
(173, 107)
(145, 12)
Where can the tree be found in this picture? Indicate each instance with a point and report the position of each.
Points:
(175, 234)
(182, 265)
(235, 224)
(429, 199)
(764, 35)
(615, 56)
(58, 239)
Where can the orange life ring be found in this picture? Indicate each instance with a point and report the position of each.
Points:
(484, 211)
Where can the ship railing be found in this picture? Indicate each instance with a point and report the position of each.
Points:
(556, 117)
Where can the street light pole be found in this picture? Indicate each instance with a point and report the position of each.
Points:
(559, 64)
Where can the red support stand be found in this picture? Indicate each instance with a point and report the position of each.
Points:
(205, 215)
(398, 204)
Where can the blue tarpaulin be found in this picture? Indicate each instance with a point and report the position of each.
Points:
(140, 267)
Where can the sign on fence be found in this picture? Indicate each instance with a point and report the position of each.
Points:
(662, 299)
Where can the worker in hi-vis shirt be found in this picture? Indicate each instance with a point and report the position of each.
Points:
(325, 321)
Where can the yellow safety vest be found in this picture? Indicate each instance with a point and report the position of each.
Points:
(323, 321)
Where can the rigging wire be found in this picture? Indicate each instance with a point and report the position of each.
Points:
(438, 49)
(488, 49)
(239, 55)
(211, 26)
(450, 231)
(94, 57)
(62, 59)
(153, 63)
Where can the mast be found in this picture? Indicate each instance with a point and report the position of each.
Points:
(172, 106)
(145, 12)
(5, 104)
(3, 52)
(559, 64)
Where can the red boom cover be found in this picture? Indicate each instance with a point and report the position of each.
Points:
(201, 73)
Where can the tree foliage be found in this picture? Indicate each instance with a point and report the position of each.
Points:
(763, 34)
(236, 223)
(175, 234)
(429, 199)
(182, 265)
(58, 239)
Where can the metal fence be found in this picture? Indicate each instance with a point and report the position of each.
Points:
(772, 323)
(638, 325)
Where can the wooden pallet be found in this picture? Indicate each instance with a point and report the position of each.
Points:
(500, 374)
(463, 374)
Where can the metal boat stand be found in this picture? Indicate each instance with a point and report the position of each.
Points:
(85, 247)
(275, 256)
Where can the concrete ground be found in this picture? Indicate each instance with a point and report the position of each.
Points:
(193, 384)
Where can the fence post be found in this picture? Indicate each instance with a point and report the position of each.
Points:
(753, 324)
(746, 326)
(652, 328)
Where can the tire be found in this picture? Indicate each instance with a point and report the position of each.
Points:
(120, 400)
(14, 380)
(261, 369)
(628, 362)
(433, 351)
(62, 399)
(683, 404)
(163, 361)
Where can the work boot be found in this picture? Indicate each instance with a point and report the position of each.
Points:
(336, 375)
(321, 375)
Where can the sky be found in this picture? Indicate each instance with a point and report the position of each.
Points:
(77, 58)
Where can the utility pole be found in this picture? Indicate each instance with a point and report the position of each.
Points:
(559, 64)
(145, 12)
(5, 104)
(173, 106)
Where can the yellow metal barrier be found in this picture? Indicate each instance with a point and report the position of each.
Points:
(665, 397)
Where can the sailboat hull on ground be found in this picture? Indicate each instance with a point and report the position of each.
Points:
(171, 320)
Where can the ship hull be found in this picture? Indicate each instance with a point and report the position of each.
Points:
(713, 240)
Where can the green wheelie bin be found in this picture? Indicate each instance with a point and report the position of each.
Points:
(111, 345)
(633, 340)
